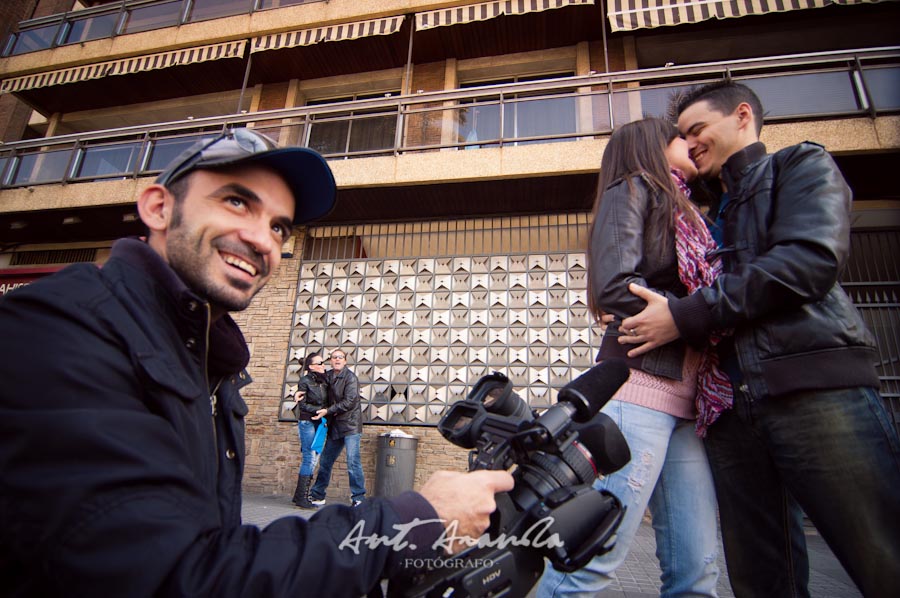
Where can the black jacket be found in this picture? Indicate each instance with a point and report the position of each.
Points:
(786, 239)
(621, 253)
(344, 410)
(120, 477)
(315, 396)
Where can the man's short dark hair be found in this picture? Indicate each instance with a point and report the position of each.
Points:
(724, 96)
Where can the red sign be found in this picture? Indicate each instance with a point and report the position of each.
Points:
(12, 279)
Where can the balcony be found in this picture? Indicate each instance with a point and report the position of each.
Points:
(798, 87)
(131, 16)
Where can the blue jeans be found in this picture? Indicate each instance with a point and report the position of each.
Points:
(669, 473)
(833, 453)
(330, 454)
(307, 431)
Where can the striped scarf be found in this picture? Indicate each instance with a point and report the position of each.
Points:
(692, 245)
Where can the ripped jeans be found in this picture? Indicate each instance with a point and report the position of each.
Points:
(669, 473)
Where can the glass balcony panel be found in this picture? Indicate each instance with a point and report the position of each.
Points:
(479, 123)
(32, 40)
(599, 106)
(329, 137)
(42, 167)
(282, 3)
(806, 95)
(164, 151)
(884, 87)
(109, 160)
(373, 133)
(82, 30)
(154, 16)
(4, 162)
(214, 9)
(546, 116)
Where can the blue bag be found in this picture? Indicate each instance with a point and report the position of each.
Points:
(318, 442)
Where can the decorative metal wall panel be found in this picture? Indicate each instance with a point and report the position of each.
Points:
(420, 330)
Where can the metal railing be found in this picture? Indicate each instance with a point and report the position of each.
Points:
(832, 84)
(130, 16)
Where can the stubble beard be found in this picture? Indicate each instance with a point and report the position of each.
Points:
(191, 258)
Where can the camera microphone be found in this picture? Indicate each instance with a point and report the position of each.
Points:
(589, 392)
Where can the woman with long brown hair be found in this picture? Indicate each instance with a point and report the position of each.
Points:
(647, 231)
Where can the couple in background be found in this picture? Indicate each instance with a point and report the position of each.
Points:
(333, 395)
(738, 334)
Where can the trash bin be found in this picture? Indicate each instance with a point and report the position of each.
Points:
(395, 466)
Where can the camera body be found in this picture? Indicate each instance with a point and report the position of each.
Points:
(553, 511)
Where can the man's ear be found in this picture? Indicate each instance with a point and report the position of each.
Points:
(155, 207)
(745, 116)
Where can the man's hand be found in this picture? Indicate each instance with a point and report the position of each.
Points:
(320, 414)
(467, 499)
(651, 328)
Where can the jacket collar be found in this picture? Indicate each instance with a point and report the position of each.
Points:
(736, 165)
(228, 352)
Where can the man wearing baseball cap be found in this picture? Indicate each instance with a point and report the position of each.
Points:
(122, 420)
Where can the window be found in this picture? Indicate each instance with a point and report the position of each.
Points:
(82, 30)
(108, 160)
(214, 9)
(263, 4)
(32, 40)
(42, 167)
(163, 151)
(524, 115)
(368, 131)
(153, 16)
(884, 87)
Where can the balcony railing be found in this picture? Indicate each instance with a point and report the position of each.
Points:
(131, 16)
(832, 85)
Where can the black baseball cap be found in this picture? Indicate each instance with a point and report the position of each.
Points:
(306, 173)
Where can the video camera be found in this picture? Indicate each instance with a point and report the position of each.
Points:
(553, 511)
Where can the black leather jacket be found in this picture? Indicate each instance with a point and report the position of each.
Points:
(786, 240)
(315, 396)
(118, 479)
(344, 411)
(621, 253)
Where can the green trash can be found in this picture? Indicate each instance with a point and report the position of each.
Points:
(395, 466)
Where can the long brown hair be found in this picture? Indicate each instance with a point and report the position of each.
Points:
(637, 149)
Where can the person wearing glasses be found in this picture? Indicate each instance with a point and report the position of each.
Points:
(345, 414)
(121, 415)
(312, 394)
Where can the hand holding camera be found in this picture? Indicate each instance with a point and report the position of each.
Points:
(553, 511)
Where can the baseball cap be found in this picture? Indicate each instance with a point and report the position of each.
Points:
(306, 173)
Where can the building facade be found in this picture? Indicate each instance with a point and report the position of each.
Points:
(465, 138)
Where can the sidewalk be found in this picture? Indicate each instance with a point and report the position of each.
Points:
(638, 577)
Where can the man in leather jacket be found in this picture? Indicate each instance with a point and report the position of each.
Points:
(122, 421)
(345, 414)
(807, 428)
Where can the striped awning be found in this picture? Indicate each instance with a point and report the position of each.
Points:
(125, 66)
(627, 15)
(332, 33)
(487, 10)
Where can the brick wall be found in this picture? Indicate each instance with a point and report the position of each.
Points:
(273, 449)
(425, 128)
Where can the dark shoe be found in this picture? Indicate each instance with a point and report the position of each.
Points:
(301, 494)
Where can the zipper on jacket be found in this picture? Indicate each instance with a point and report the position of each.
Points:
(212, 395)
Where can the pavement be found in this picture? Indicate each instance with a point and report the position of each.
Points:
(638, 577)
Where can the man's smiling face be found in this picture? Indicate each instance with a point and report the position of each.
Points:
(712, 136)
(225, 235)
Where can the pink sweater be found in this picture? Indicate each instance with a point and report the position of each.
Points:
(664, 394)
